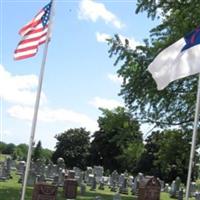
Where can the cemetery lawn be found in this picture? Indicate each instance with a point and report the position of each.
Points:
(10, 190)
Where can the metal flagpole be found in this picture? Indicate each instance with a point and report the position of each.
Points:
(194, 135)
(36, 107)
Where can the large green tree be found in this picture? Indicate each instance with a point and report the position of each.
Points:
(166, 155)
(73, 146)
(175, 104)
(118, 142)
(20, 152)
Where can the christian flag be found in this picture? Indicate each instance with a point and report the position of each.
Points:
(179, 60)
(33, 34)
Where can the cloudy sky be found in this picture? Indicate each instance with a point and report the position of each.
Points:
(79, 76)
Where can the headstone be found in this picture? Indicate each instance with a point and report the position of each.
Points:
(21, 167)
(70, 188)
(3, 173)
(82, 188)
(137, 181)
(123, 179)
(88, 174)
(180, 194)
(175, 187)
(8, 167)
(94, 184)
(166, 188)
(44, 191)
(192, 189)
(60, 163)
(197, 196)
(114, 180)
(98, 170)
(31, 178)
(117, 196)
(149, 189)
(101, 184)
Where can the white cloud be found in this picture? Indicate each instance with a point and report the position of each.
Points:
(54, 115)
(18, 89)
(132, 42)
(102, 37)
(115, 78)
(99, 102)
(91, 10)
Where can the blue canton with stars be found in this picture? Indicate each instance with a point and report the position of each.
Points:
(192, 39)
(45, 17)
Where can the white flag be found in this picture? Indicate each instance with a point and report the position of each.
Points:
(177, 61)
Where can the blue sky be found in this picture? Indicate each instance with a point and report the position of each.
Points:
(79, 76)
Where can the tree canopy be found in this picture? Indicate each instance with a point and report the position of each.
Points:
(175, 104)
(166, 155)
(118, 142)
(73, 146)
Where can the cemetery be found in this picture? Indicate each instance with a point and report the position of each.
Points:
(55, 182)
(125, 133)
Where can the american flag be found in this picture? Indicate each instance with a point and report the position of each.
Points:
(33, 34)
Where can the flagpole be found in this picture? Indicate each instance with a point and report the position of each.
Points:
(37, 101)
(194, 135)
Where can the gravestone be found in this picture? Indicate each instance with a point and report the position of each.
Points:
(3, 174)
(166, 188)
(31, 178)
(93, 183)
(114, 180)
(21, 167)
(60, 164)
(180, 194)
(97, 198)
(123, 179)
(88, 174)
(101, 185)
(8, 167)
(98, 170)
(192, 189)
(137, 181)
(149, 189)
(82, 188)
(70, 186)
(175, 187)
(44, 191)
(117, 196)
(197, 196)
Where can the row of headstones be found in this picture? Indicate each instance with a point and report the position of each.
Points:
(39, 172)
(5, 169)
(116, 182)
(176, 191)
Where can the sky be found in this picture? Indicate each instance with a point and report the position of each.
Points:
(79, 75)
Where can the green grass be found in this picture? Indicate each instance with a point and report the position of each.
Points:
(10, 190)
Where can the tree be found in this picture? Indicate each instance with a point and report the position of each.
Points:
(174, 105)
(2, 146)
(37, 153)
(167, 154)
(73, 146)
(118, 142)
(9, 149)
(20, 152)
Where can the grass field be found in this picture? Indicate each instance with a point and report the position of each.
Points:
(10, 190)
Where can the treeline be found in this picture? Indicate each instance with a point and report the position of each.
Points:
(19, 152)
(119, 145)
